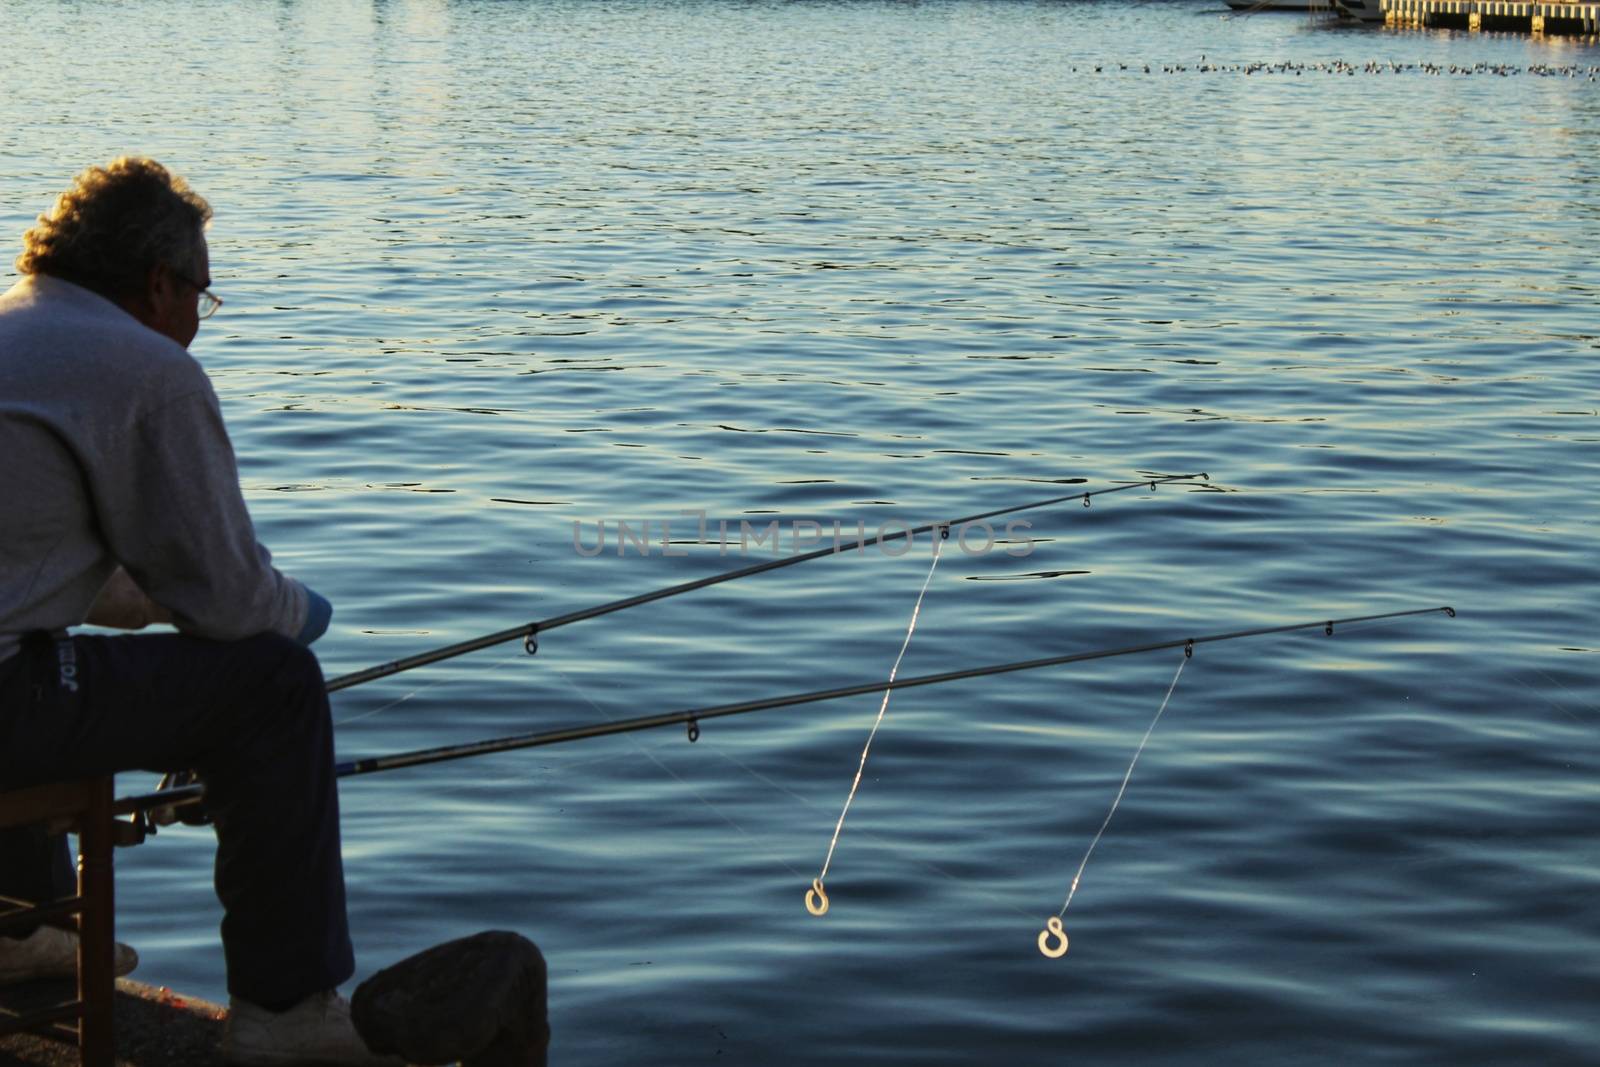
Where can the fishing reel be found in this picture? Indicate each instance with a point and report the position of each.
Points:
(190, 813)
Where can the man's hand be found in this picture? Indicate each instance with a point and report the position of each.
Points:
(122, 605)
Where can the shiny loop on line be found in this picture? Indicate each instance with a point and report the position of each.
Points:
(694, 730)
(530, 643)
(1053, 930)
(1328, 629)
(816, 898)
(1086, 500)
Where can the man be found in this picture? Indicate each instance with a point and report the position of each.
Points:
(120, 506)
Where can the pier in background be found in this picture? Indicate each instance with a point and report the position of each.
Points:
(1581, 19)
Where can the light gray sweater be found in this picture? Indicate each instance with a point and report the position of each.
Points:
(113, 451)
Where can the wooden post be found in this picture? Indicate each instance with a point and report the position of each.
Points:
(96, 928)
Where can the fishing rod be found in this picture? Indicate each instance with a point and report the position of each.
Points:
(528, 632)
(691, 718)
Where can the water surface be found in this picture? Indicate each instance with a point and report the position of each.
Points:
(494, 268)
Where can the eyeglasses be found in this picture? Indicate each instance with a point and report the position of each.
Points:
(206, 302)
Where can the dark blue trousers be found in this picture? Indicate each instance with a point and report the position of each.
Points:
(252, 717)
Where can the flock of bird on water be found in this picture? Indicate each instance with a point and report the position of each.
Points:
(1339, 66)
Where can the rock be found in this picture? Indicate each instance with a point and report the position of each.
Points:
(479, 1000)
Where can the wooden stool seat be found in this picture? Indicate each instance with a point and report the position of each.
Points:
(85, 807)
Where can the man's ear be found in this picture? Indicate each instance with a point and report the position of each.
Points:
(145, 302)
(158, 284)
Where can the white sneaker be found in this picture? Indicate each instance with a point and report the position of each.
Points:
(51, 952)
(317, 1030)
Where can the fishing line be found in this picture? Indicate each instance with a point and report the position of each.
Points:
(691, 717)
(653, 758)
(1543, 674)
(816, 897)
(528, 632)
(879, 838)
(494, 669)
(1053, 930)
(1515, 676)
(1580, 720)
(1052, 939)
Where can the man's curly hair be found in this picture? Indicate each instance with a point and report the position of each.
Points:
(114, 224)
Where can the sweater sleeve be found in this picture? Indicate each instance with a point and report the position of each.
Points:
(172, 513)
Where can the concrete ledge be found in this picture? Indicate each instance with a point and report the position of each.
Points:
(155, 1028)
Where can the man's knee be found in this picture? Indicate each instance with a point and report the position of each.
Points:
(284, 658)
(279, 709)
(284, 677)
